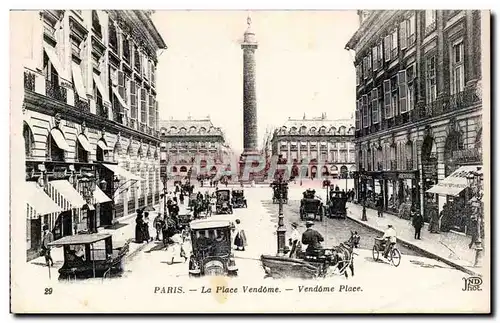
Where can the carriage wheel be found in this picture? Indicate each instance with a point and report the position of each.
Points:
(395, 257)
(375, 253)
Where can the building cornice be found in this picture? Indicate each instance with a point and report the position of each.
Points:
(46, 105)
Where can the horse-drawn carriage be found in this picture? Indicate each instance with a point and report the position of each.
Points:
(324, 262)
(310, 205)
(212, 254)
(336, 205)
(238, 199)
(90, 256)
(223, 203)
(276, 193)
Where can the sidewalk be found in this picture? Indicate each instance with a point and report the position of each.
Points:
(122, 230)
(448, 247)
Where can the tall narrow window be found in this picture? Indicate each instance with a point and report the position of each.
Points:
(387, 47)
(375, 58)
(394, 45)
(410, 80)
(457, 62)
(431, 86)
(365, 110)
(403, 34)
(411, 30)
(358, 75)
(113, 37)
(394, 96)
(133, 100)
(358, 120)
(380, 54)
(126, 49)
(96, 25)
(387, 99)
(430, 17)
(403, 91)
(375, 107)
(365, 67)
(369, 67)
(143, 105)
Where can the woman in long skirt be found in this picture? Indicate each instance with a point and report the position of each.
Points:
(240, 239)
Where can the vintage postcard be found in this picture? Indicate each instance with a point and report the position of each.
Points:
(250, 161)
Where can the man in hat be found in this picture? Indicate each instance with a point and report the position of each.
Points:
(294, 240)
(390, 237)
(312, 239)
(48, 237)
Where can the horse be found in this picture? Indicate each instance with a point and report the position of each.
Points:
(344, 254)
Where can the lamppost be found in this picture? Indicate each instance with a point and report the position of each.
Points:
(363, 178)
(104, 185)
(165, 191)
(281, 231)
(475, 181)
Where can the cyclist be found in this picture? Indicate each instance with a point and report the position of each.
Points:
(390, 238)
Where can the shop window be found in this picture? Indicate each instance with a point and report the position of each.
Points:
(81, 154)
(54, 153)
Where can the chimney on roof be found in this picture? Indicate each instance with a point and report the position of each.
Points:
(304, 117)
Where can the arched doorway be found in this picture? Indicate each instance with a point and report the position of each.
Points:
(314, 170)
(174, 169)
(183, 169)
(334, 171)
(343, 171)
(53, 152)
(429, 175)
(324, 171)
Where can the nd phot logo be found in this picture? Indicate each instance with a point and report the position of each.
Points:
(472, 284)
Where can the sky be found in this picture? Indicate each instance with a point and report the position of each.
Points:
(301, 67)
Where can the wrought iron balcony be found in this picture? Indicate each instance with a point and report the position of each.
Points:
(29, 80)
(454, 102)
(55, 91)
(82, 105)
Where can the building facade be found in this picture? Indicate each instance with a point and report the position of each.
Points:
(193, 143)
(418, 104)
(90, 117)
(325, 146)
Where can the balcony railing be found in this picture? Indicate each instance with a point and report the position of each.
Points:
(82, 105)
(142, 127)
(133, 123)
(29, 81)
(55, 91)
(394, 165)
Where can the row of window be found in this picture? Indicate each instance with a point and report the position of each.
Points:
(387, 49)
(335, 156)
(342, 131)
(399, 156)
(397, 95)
(293, 145)
(191, 144)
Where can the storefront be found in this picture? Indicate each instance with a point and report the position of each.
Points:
(456, 213)
(395, 188)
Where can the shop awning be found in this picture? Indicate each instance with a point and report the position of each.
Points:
(68, 192)
(100, 196)
(101, 88)
(117, 170)
(103, 145)
(58, 137)
(119, 97)
(39, 201)
(54, 60)
(78, 80)
(456, 182)
(85, 143)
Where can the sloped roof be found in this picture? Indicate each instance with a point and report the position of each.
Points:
(191, 126)
(318, 122)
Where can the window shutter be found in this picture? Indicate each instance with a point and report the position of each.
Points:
(403, 37)
(387, 47)
(143, 105)
(358, 76)
(387, 99)
(403, 91)
(151, 111)
(365, 110)
(121, 84)
(375, 107)
(375, 55)
(358, 117)
(157, 116)
(133, 100)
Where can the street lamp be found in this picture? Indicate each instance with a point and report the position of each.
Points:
(363, 177)
(104, 185)
(474, 180)
(281, 231)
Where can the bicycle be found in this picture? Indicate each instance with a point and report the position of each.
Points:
(394, 255)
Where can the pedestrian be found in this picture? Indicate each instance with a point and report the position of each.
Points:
(181, 199)
(139, 227)
(294, 241)
(147, 236)
(240, 239)
(158, 224)
(380, 206)
(434, 220)
(418, 222)
(48, 237)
